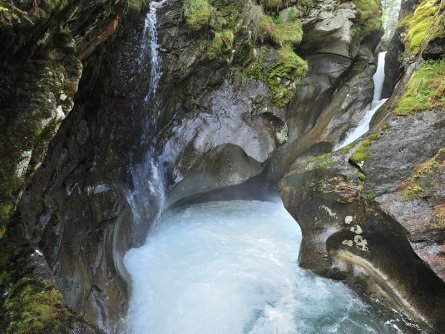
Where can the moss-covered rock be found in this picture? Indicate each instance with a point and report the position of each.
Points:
(418, 23)
(424, 90)
(197, 13)
(222, 44)
(361, 151)
(31, 302)
(421, 180)
(34, 307)
(435, 44)
(369, 15)
(282, 76)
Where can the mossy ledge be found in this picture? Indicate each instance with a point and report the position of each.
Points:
(31, 301)
(360, 154)
(420, 181)
(425, 89)
(418, 23)
(271, 36)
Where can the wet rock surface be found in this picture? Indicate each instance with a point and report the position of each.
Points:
(349, 235)
(72, 208)
(225, 119)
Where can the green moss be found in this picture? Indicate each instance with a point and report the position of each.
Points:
(369, 15)
(347, 148)
(425, 89)
(34, 307)
(417, 24)
(136, 5)
(5, 211)
(28, 305)
(361, 152)
(222, 43)
(278, 31)
(320, 161)
(288, 32)
(9, 187)
(197, 13)
(370, 195)
(420, 181)
(284, 75)
(265, 28)
(359, 174)
(272, 4)
(437, 29)
(359, 66)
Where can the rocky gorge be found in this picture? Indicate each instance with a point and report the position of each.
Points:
(243, 99)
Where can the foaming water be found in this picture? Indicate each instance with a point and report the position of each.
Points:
(377, 102)
(146, 194)
(230, 268)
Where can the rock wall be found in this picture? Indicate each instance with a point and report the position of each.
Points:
(372, 210)
(59, 166)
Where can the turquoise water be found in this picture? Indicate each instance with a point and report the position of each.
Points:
(229, 268)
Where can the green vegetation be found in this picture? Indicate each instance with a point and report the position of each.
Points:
(275, 5)
(420, 181)
(222, 43)
(284, 75)
(278, 31)
(136, 5)
(288, 32)
(360, 174)
(28, 305)
(370, 195)
(347, 148)
(34, 307)
(272, 4)
(369, 15)
(418, 23)
(320, 161)
(9, 187)
(437, 29)
(425, 89)
(197, 13)
(361, 152)
(439, 216)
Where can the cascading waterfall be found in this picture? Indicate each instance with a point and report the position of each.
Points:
(377, 102)
(391, 9)
(151, 34)
(147, 196)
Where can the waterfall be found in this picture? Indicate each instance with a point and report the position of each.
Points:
(147, 194)
(151, 31)
(377, 102)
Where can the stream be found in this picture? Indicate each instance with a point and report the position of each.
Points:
(230, 267)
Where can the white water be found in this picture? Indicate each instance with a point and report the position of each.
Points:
(151, 35)
(377, 102)
(230, 268)
(146, 197)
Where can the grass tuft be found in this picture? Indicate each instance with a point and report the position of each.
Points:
(425, 90)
